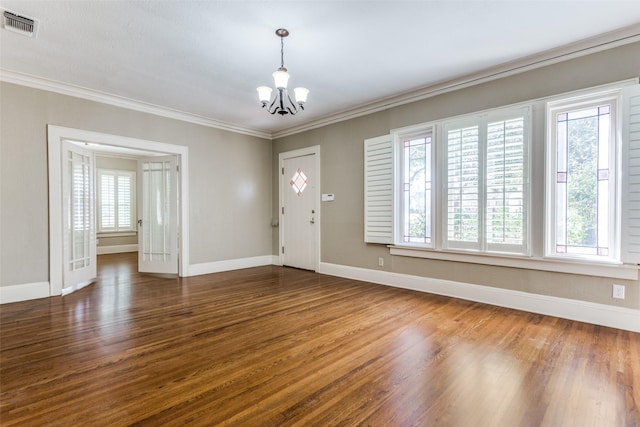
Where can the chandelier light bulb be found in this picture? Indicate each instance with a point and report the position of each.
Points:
(264, 93)
(301, 94)
(281, 78)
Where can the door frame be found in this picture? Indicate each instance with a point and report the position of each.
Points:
(55, 136)
(283, 183)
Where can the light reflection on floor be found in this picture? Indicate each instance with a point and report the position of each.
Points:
(495, 381)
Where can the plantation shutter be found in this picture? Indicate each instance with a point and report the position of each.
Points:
(378, 190)
(125, 197)
(462, 178)
(116, 200)
(107, 196)
(506, 183)
(631, 175)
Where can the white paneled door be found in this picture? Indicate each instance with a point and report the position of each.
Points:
(78, 212)
(158, 215)
(299, 212)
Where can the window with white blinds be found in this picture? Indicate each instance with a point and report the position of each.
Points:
(464, 188)
(116, 200)
(486, 182)
(505, 185)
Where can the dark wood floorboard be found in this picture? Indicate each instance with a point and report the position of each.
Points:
(273, 346)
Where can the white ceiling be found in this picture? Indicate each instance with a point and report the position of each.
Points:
(206, 58)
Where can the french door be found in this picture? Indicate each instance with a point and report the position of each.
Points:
(158, 215)
(78, 210)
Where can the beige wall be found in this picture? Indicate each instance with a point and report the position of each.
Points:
(342, 174)
(116, 163)
(229, 217)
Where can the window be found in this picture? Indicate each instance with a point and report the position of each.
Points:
(466, 189)
(583, 190)
(116, 200)
(486, 180)
(416, 196)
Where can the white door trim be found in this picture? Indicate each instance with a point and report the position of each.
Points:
(314, 150)
(55, 135)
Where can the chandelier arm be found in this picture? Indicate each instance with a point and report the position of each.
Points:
(273, 107)
(293, 104)
(281, 98)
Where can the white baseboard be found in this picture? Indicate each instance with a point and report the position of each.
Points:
(116, 249)
(24, 292)
(583, 311)
(231, 264)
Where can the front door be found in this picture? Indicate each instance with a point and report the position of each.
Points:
(299, 212)
(158, 215)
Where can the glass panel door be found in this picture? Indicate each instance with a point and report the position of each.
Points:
(158, 223)
(79, 217)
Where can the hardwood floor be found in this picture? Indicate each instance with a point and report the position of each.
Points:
(274, 346)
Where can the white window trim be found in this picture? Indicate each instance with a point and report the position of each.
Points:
(584, 99)
(615, 271)
(116, 232)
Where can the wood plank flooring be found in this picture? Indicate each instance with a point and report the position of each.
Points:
(274, 346)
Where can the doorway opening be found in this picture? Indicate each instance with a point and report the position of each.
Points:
(58, 240)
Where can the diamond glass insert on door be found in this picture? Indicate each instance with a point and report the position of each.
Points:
(298, 182)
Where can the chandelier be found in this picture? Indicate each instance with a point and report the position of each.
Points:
(282, 102)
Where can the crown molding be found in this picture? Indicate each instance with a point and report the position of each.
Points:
(119, 101)
(585, 47)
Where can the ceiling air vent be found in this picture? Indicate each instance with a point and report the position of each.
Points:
(19, 24)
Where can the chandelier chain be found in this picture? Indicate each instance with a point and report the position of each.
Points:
(281, 52)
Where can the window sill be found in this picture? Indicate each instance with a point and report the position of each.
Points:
(117, 234)
(616, 271)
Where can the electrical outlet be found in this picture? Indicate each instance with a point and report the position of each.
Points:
(380, 262)
(618, 291)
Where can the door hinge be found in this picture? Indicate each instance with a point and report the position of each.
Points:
(177, 168)
(283, 249)
(283, 210)
(282, 171)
